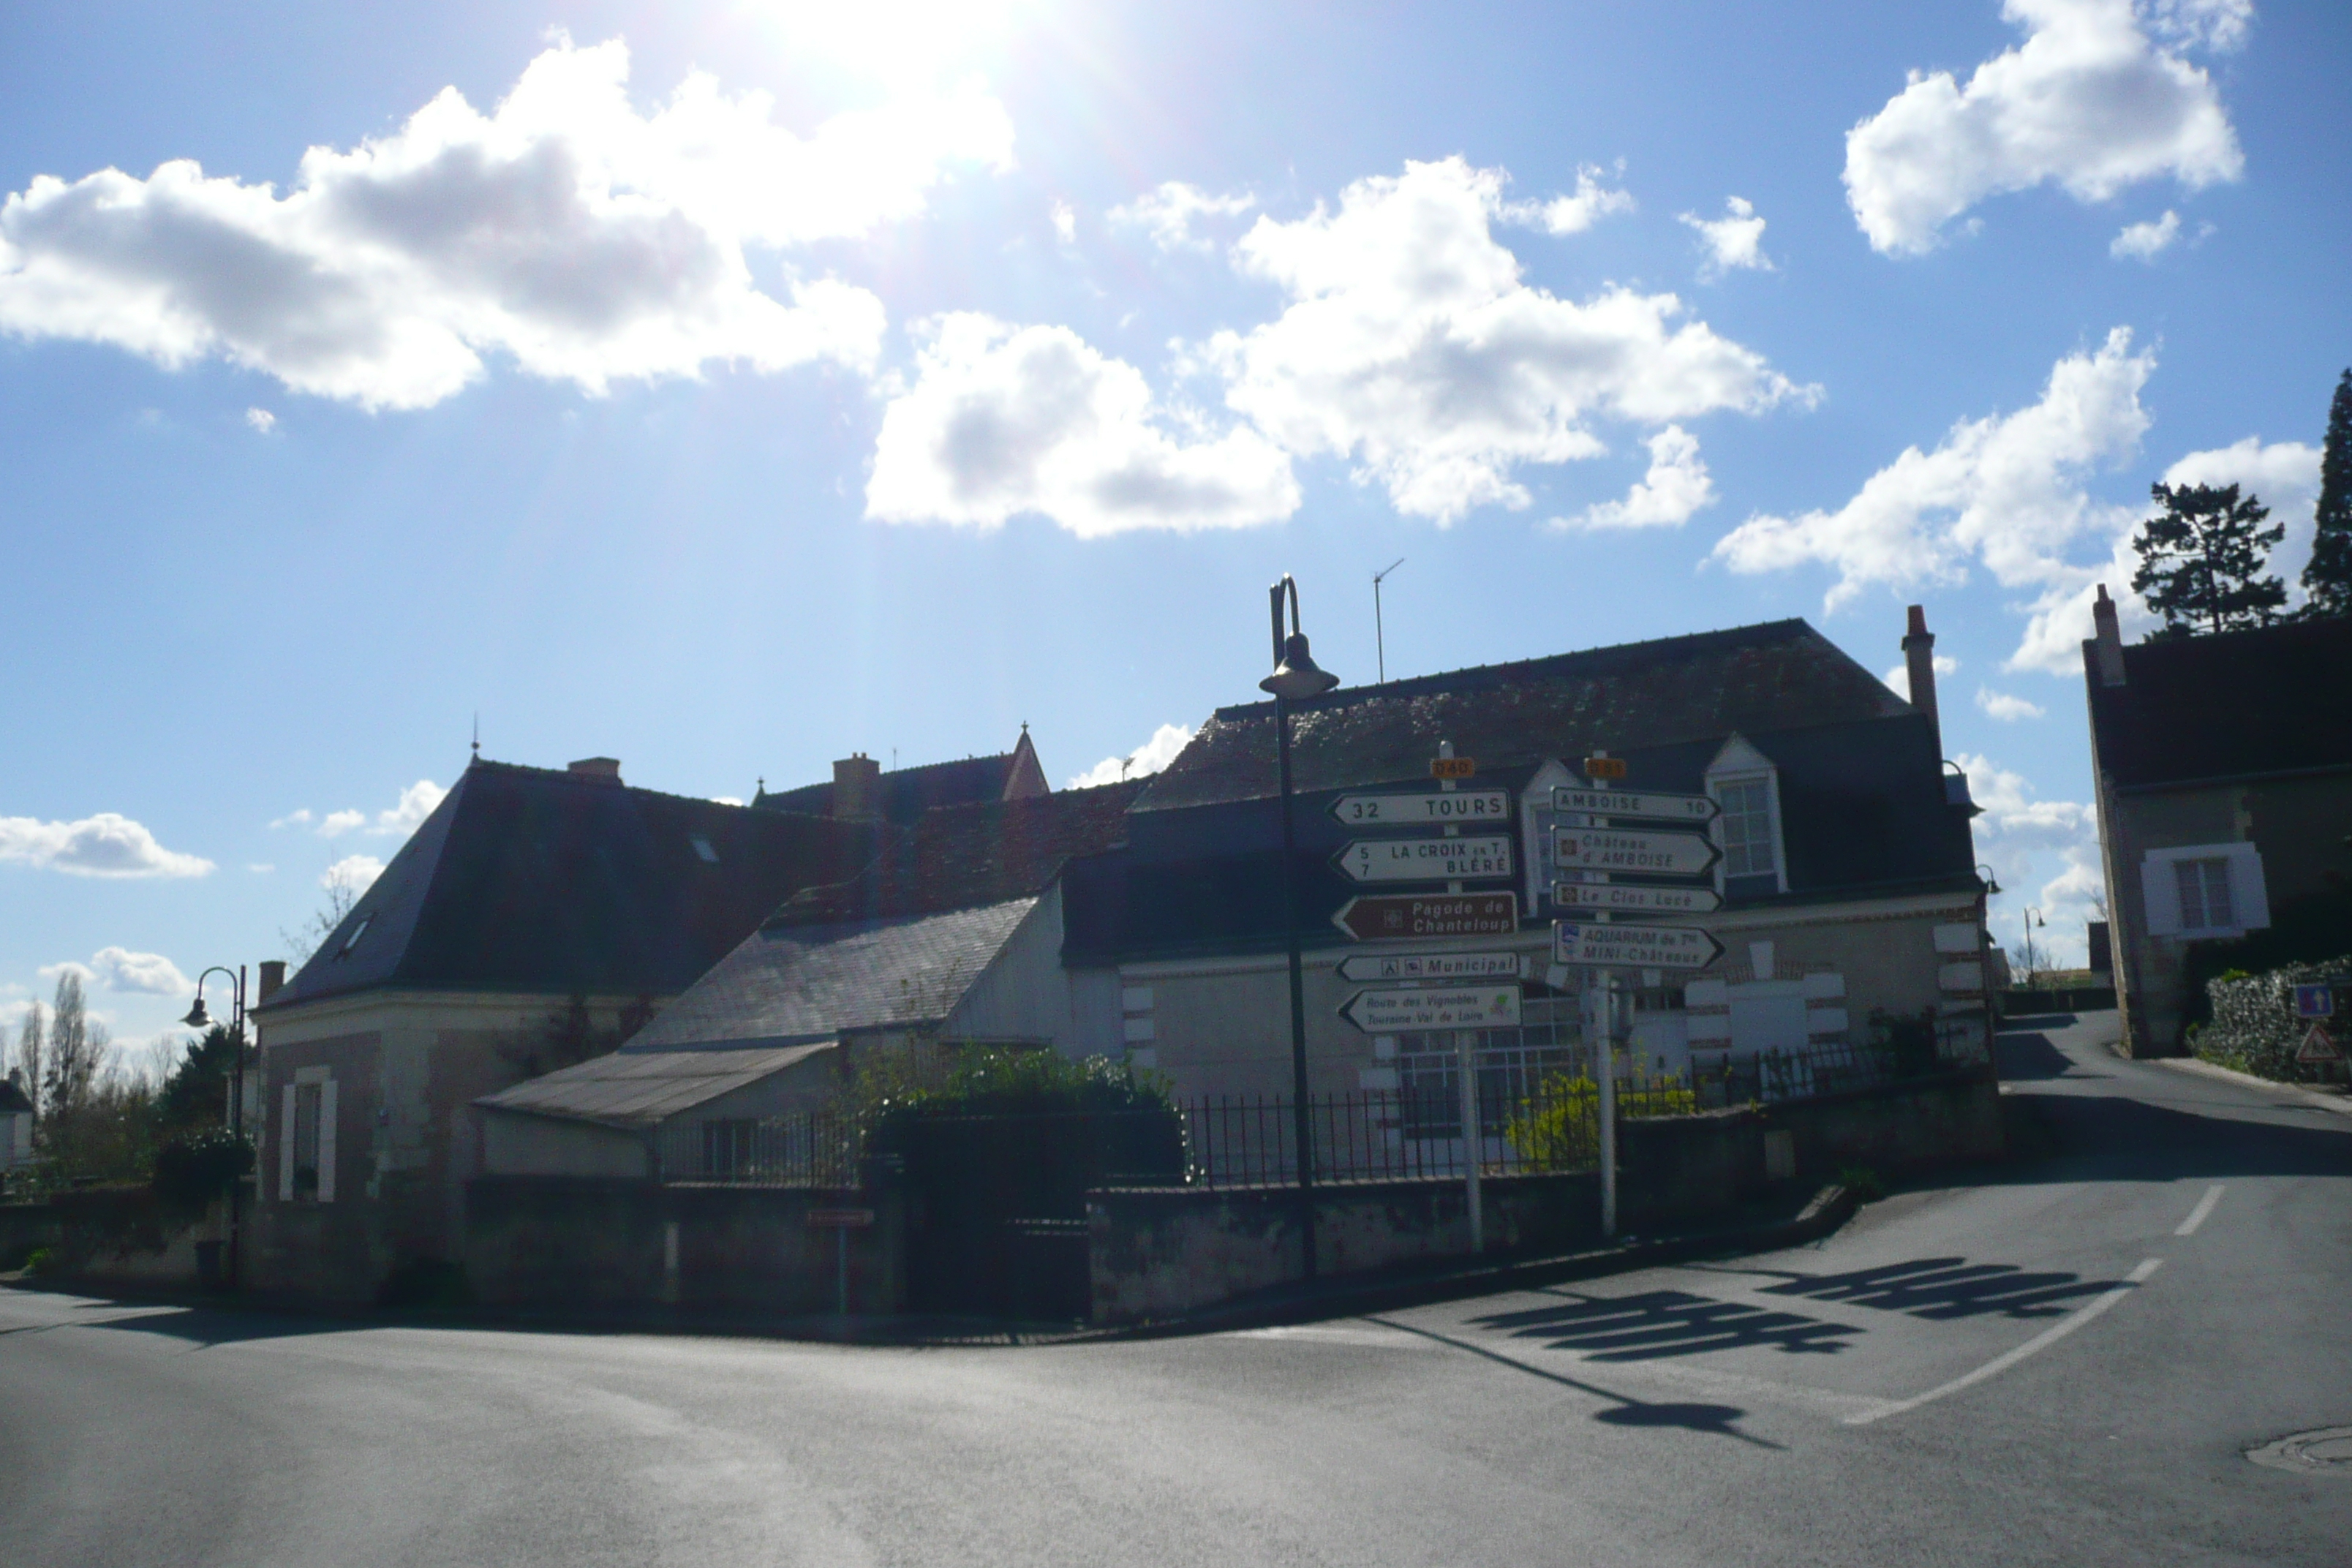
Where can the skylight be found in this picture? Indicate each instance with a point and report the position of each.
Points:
(352, 940)
(702, 847)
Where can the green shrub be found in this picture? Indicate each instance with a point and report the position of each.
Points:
(1864, 1183)
(195, 1168)
(1557, 1128)
(41, 1260)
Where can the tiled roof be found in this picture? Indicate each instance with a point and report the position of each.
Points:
(13, 1097)
(790, 984)
(2274, 700)
(961, 856)
(536, 880)
(1778, 676)
(626, 1090)
(906, 793)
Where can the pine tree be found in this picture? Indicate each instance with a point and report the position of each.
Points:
(2200, 561)
(2328, 577)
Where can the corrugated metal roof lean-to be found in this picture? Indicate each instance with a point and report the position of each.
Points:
(634, 1089)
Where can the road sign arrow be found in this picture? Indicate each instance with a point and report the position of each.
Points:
(1435, 1007)
(1652, 852)
(1593, 945)
(1393, 917)
(1633, 898)
(1485, 855)
(1696, 809)
(1424, 966)
(1423, 808)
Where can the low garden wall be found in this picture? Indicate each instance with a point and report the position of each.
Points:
(111, 1236)
(2255, 1028)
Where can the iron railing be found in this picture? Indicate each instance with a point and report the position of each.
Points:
(818, 1149)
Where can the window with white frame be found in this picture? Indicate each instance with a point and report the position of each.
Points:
(2204, 890)
(1747, 837)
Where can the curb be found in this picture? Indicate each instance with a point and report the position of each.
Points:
(2340, 1104)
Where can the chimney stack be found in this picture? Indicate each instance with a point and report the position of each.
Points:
(597, 768)
(2107, 645)
(273, 975)
(1919, 658)
(857, 788)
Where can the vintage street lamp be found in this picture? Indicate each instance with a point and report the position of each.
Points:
(1296, 679)
(198, 1018)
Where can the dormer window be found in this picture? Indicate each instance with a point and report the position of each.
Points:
(1747, 784)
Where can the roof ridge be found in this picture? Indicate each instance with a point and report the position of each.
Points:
(589, 782)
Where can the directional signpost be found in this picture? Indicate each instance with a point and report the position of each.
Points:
(1634, 899)
(1485, 856)
(1435, 1007)
(1651, 853)
(1696, 809)
(1425, 966)
(1591, 945)
(1390, 918)
(1424, 808)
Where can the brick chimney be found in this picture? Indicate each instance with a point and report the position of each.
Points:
(1919, 658)
(597, 768)
(857, 788)
(2107, 645)
(273, 976)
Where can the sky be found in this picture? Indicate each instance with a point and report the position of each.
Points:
(729, 387)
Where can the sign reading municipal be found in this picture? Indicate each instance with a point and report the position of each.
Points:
(1392, 916)
(1658, 854)
(1439, 1007)
(1430, 966)
(1693, 808)
(1422, 807)
(1425, 859)
(1593, 945)
(1632, 897)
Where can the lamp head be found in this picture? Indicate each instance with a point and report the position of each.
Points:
(1298, 677)
(197, 1018)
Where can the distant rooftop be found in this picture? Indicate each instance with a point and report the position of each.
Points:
(2275, 700)
(905, 794)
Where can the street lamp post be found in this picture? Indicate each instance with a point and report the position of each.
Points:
(1296, 679)
(198, 1018)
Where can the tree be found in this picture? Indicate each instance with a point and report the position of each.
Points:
(194, 1094)
(77, 1049)
(304, 941)
(2327, 579)
(31, 1041)
(2200, 560)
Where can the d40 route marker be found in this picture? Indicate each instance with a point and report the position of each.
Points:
(1696, 809)
(1658, 854)
(1394, 917)
(1597, 946)
(1488, 856)
(1437, 1007)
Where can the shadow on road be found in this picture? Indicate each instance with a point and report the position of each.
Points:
(1940, 1289)
(2029, 1056)
(1657, 1323)
(204, 1327)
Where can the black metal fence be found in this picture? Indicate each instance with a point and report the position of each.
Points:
(814, 1149)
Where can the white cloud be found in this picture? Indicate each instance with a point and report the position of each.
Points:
(2006, 707)
(260, 868)
(2089, 102)
(2144, 241)
(586, 240)
(726, 800)
(301, 818)
(1004, 420)
(119, 969)
(1412, 344)
(1149, 758)
(1734, 241)
(105, 845)
(1898, 680)
(1065, 223)
(1676, 486)
(1168, 212)
(2283, 474)
(81, 971)
(2025, 841)
(337, 823)
(1573, 214)
(2008, 489)
(353, 871)
(263, 421)
(415, 804)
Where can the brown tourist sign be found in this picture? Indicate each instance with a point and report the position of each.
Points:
(1390, 917)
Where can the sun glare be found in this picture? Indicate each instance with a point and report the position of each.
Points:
(901, 42)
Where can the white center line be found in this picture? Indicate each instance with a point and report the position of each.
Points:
(2001, 1364)
(2197, 1216)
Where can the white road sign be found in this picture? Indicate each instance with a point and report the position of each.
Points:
(1692, 808)
(1593, 945)
(1655, 854)
(1628, 897)
(1430, 966)
(1438, 1007)
(1485, 808)
(1466, 858)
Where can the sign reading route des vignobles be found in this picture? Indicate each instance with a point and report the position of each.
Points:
(1435, 1007)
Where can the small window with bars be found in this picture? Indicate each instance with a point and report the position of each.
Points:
(1746, 826)
(2204, 888)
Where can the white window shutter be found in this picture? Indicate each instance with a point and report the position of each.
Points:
(285, 1147)
(2159, 886)
(2248, 895)
(327, 1142)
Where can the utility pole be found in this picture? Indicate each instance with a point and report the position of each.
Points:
(1380, 632)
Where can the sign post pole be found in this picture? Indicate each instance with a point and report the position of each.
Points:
(1465, 1048)
(1606, 1055)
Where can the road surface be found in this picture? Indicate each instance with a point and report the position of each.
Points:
(2061, 1362)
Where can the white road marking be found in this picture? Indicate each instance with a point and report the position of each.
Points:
(2197, 1216)
(2001, 1364)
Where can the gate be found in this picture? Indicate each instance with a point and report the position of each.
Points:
(996, 1204)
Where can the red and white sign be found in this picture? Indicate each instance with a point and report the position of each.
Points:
(2319, 1046)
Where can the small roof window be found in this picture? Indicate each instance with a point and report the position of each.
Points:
(702, 847)
(352, 940)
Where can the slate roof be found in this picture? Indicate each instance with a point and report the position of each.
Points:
(1780, 675)
(796, 985)
(907, 793)
(13, 1097)
(538, 881)
(2277, 699)
(619, 1090)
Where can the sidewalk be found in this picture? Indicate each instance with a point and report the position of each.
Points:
(2326, 1099)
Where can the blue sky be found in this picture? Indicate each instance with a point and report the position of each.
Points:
(729, 387)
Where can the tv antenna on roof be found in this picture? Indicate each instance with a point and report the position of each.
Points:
(1380, 635)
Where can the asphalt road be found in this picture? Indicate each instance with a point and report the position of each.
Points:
(2064, 1362)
